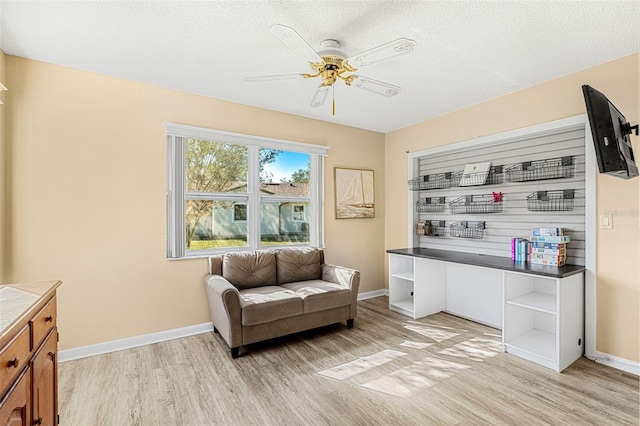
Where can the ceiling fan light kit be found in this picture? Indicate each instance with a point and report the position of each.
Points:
(330, 63)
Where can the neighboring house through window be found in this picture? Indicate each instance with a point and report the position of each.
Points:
(228, 191)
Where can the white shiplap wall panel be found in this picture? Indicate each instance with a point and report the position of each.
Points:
(515, 220)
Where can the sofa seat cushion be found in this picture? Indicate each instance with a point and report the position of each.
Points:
(247, 269)
(268, 303)
(318, 295)
(298, 264)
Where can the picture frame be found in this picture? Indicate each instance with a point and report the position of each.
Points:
(354, 191)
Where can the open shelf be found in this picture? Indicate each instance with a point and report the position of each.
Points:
(537, 301)
(404, 275)
(537, 342)
(405, 305)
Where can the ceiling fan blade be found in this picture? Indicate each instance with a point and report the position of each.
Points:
(291, 38)
(375, 86)
(320, 96)
(273, 77)
(381, 53)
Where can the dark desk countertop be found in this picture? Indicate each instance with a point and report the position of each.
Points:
(487, 261)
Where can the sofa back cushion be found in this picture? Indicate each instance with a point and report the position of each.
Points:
(248, 269)
(299, 264)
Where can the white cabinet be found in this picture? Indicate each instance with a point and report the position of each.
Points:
(475, 293)
(417, 286)
(541, 314)
(543, 319)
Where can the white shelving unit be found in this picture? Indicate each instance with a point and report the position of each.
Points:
(401, 279)
(543, 318)
(416, 286)
(541, 315)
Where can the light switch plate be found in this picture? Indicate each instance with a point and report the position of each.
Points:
(606, 221)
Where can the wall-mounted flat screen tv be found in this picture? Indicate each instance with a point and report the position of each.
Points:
(611, 135)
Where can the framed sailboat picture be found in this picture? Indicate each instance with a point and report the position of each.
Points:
(355, 191)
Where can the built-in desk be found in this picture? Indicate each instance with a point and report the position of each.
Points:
(540, 309)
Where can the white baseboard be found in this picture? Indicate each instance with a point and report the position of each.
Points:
(132, 342)
(161, 336)
(617, 362)
(372, 294)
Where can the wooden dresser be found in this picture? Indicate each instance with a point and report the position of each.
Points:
(28, 354)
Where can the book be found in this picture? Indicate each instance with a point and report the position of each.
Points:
(547, 262)
(548, 257)
(541, 245)
(551, 239)
(519, 249)
(547, 232)
(537, 250)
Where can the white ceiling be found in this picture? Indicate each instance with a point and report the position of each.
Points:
(467, 51)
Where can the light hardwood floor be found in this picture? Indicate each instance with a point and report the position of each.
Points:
(387, 370)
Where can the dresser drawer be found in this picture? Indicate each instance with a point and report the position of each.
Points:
(15, 407)
(44, 321)
(13, 358)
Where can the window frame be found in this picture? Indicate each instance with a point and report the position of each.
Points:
(178, 134)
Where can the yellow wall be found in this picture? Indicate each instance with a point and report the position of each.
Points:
(618, 273)
(87, 199)
(2, 162)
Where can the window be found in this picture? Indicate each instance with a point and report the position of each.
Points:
(239, 212)
(298, 212)
(229, 191)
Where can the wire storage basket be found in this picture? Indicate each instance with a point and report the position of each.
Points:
(554, 168)
(485, 203)
(494, 176)
(431, 205)
(435, 181)
(467, 229)
(431, 228)
(551, 201)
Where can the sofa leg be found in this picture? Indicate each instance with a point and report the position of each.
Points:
(350, 323)
(215, 330)
(235, 352)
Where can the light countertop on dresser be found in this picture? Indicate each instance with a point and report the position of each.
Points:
(18, 300)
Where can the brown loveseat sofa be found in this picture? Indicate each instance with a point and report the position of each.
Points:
(259, 295)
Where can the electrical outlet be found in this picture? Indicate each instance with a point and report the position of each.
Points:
(606, 221)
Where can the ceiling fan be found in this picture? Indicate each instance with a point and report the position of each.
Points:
(331, 64)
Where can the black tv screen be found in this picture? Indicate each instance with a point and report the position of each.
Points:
(610, 131)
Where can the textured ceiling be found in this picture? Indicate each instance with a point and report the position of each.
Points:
(467, 51)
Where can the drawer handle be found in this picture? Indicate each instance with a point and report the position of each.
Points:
(49, 318)
(38, 421)
(13, 363)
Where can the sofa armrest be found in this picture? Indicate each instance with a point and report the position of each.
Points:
(349, 278)
(224, 309)
(346, 277)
